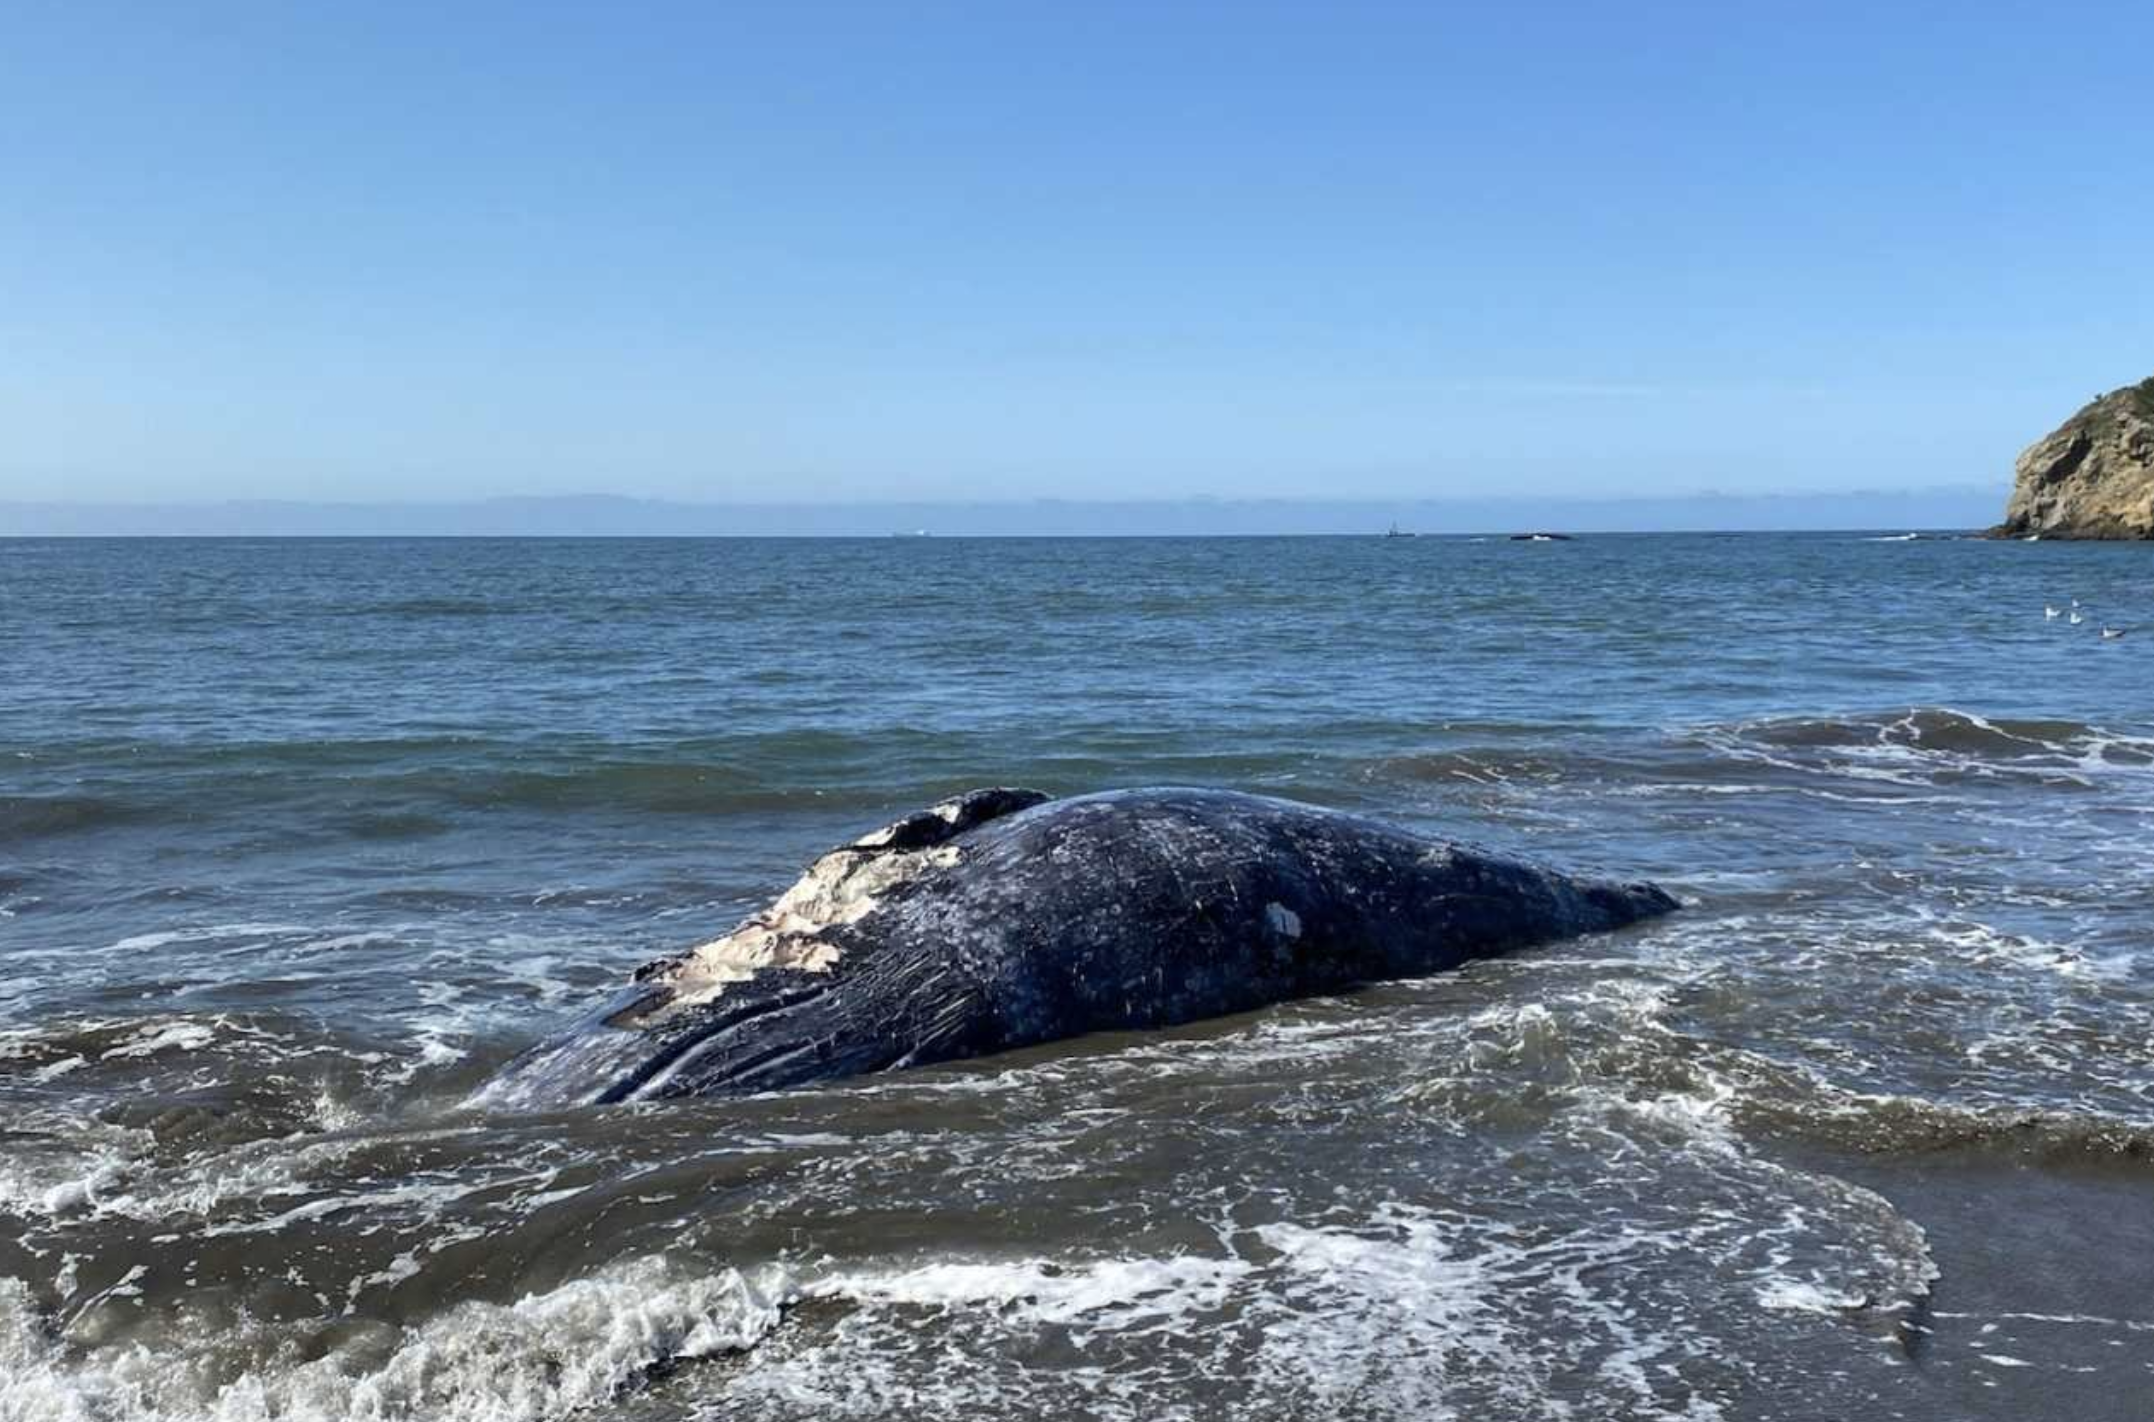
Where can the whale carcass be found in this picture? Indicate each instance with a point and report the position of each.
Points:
(1004, 918)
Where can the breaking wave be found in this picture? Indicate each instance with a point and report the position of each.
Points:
(546, 1355)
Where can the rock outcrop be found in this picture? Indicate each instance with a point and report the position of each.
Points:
(2091, 477)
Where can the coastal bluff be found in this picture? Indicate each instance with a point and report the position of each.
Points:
(2092, 476)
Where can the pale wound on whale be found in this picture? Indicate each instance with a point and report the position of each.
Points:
(841, 887)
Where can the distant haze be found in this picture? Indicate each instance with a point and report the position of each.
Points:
(1960, 508)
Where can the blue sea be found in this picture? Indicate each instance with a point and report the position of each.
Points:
(301, 839)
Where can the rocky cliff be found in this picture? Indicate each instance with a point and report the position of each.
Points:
(2092, 476)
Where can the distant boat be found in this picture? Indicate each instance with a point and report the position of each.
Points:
(1540, 538)
(1397, 532)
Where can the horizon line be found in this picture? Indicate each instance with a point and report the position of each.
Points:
(1938, 510)
(839, 505)
(1883, 532)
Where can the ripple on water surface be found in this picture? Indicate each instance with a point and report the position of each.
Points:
(291, 857)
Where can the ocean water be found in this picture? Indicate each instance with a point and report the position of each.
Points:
(300, 840)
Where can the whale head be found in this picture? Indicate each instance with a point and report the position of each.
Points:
(749, 1008)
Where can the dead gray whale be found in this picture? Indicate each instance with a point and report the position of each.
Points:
(1004, 918)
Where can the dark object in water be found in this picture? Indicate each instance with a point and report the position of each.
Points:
(1004, 918)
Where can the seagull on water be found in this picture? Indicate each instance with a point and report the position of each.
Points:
(2051, 613)
(2076, 618)
(2110, 634)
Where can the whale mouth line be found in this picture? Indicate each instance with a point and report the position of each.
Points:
(689, 1043)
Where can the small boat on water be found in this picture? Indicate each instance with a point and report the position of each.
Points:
(1397, 532)
(1540, 538)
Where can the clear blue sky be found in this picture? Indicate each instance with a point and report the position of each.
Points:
(888, 250)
